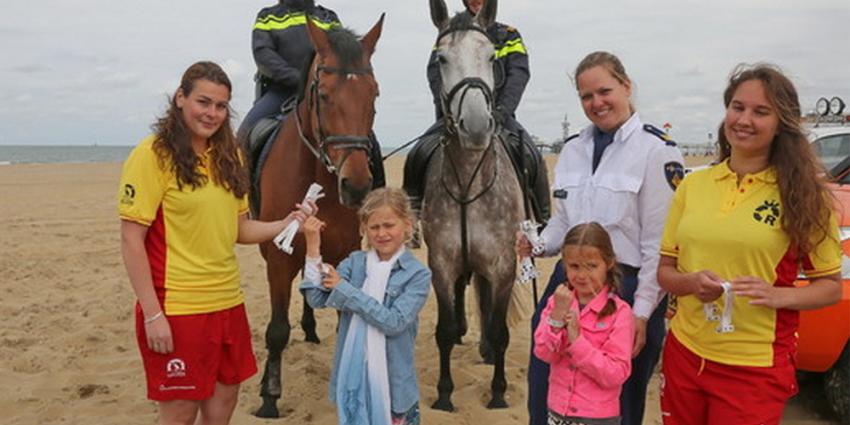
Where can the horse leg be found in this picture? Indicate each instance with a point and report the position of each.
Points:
(277, 336)
(446, 336)
(485, 308)
(308, 323)
(499, 337)
(460, 307)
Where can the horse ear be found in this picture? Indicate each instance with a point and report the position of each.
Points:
(439, 14)
(487, 15)
(371, 38)
(318, 38)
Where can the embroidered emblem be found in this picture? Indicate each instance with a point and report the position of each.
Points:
(767, 213)
(674, 172)
(129, 195)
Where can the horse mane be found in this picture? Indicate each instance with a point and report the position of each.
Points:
(462, 21)
(346, 46)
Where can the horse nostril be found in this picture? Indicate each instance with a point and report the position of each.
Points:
(460, 125)
(344, 183)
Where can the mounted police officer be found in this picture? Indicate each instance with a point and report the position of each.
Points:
(511, 73)
(281, 48)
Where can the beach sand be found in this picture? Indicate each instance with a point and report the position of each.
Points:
(67, 347)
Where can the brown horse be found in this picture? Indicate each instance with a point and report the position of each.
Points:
(324, 140)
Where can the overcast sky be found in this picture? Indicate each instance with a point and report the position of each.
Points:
(97, 71)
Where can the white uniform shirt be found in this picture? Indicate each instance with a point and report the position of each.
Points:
(629, 195)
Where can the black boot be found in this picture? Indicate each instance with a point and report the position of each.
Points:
(415, 168)
(376, 163)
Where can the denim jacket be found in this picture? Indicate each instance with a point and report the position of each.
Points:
(398, 317)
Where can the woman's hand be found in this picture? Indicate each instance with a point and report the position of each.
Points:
(760, 292)
(308, 208)
(706, 285)
(330, 278)
(522, 246)
(158, 334)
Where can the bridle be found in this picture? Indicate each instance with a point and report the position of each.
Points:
(463, 87)
(464, 198)
(347, 142)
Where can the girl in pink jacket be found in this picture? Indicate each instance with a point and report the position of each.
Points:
(586, 333)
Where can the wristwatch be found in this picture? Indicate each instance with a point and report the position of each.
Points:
(555, 323)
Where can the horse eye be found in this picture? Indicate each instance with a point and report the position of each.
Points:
(442, 59)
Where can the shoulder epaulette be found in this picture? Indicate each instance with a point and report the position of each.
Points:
(574, 136)
(661, 134)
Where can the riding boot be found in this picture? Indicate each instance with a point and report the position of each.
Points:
(542, 203)
(376, 163)
(415, 168)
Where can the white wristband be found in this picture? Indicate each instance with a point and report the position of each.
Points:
(149, 320)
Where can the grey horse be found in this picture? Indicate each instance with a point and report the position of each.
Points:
(473, 202)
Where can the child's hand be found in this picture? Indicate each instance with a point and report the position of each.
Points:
(312, 229)
(573, 328)
(330, 278)
(563, 297)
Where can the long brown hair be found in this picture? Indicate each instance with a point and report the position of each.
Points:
(807, 203)
(174, 147)
(593, 235)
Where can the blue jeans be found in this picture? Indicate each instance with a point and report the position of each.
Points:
(633, 397)
(266, 106)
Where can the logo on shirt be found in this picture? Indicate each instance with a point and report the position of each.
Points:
(175, 368)
(129, 194)
(767, 213)
(674, 172)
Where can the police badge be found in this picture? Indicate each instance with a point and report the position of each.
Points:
(674, 172)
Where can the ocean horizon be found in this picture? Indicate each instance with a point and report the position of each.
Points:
(69, 154)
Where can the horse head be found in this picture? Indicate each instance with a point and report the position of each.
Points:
(341, 91)
(466, 54)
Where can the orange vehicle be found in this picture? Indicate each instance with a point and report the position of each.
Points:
(824, 333)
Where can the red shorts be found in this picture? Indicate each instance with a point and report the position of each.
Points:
(208, 348)
(696, 391)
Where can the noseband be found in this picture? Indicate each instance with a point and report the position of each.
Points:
(347, 142)
(462, 87)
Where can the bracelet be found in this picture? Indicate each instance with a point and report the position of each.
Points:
(149, 320)
(556, 323)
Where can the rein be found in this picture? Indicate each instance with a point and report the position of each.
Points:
(347, 142)
(463, 199)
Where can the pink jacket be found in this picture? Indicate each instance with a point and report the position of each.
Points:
(586, 376)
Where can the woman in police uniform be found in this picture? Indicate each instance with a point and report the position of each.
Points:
(736, 237)
(620, 173)
(183, 207)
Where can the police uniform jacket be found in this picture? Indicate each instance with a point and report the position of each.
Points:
(510, 69)
(628, 194)
(281, 45)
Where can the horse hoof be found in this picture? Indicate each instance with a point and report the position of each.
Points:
(312, 338)
(268, 410)
(497, 403)
(443, 404)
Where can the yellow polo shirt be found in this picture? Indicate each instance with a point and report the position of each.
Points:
(715, 224)
(191, 233)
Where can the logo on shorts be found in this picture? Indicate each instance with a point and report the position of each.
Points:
(129, 194)
(175, 368)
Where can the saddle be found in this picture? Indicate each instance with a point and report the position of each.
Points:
(261, 138)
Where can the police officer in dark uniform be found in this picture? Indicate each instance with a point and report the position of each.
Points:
(281, 48)
(511, 72)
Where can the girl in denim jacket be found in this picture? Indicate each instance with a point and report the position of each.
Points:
(379, 293)
(586, 333)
